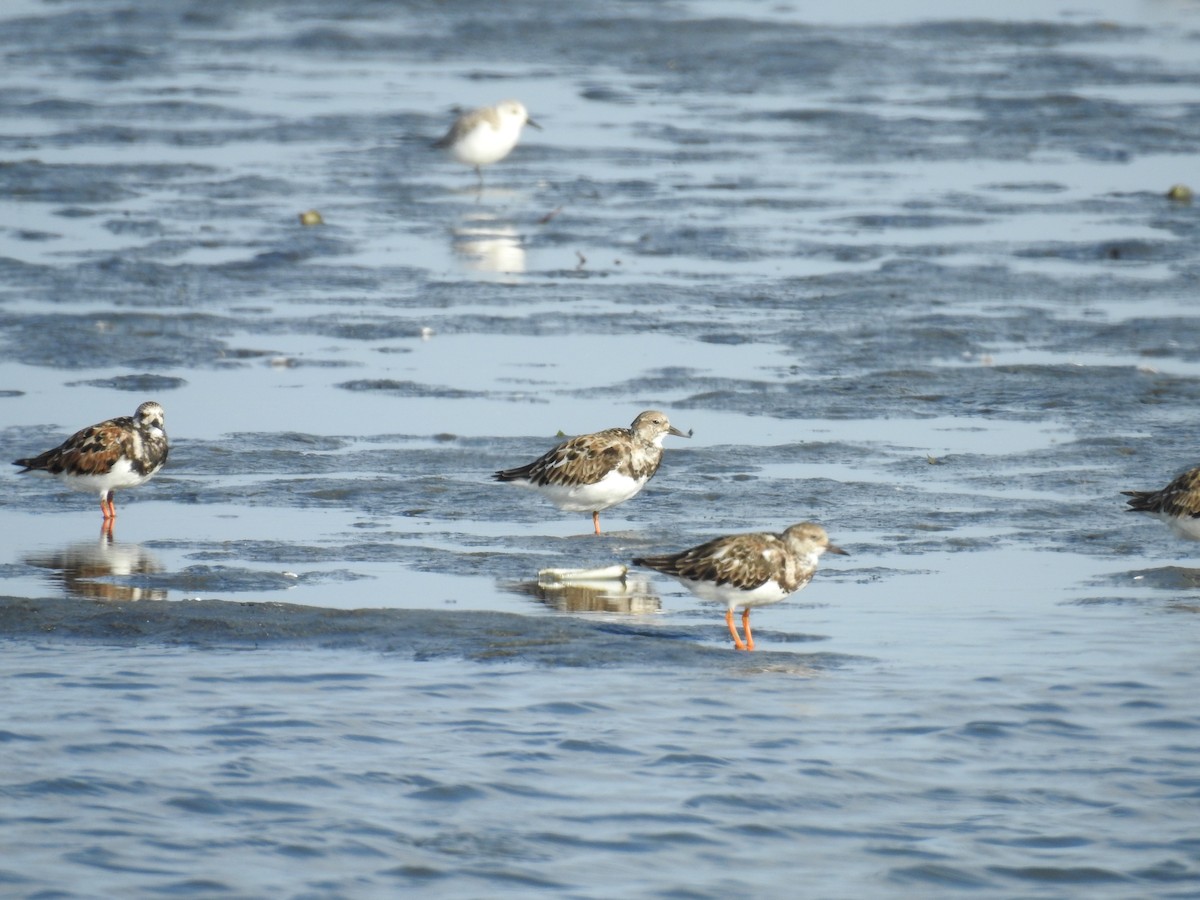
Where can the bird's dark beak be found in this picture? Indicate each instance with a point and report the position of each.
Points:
(833, 548)
(675, 431)
(532, 124)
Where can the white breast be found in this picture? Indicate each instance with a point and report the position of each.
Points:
(484, 145)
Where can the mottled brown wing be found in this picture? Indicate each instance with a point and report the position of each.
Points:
(91, 451)
(1179, 498)
(744, 561)
(581, 460)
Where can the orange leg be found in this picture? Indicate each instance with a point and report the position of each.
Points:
(596, 520)
(737, 638)
(746, 628)
(107, 507)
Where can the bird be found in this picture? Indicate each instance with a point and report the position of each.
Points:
(592, 472)
(1178, 504)
(480, 137)
(747, 570)
(117, 453)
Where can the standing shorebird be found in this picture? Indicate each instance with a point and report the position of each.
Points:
(118, 453)
(595, 471)
(1178, 504)
(486, 135)
(747, 570)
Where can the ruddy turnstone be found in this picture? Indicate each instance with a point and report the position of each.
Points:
(486, 135)
(595, 471)
(1178, 504)
(119, 453)
(748, 570)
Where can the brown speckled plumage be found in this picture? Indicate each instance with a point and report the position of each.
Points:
(589, 457)
(1178, 504)
(592, 472)
(116, 453)
(1179, 498)
(748, 561)
(748, 570)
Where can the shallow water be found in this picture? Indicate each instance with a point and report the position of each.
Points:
(905, 270)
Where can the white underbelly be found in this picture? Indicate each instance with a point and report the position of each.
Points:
(1184, 526)
(483, 146)
(764, 595)
(610, 490)
(122, 475)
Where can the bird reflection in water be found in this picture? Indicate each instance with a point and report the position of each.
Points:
(100, 570)
(593, 591)
(486, 244)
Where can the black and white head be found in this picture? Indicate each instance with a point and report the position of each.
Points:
(150, 415)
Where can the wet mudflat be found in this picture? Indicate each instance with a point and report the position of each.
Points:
(911, 274)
